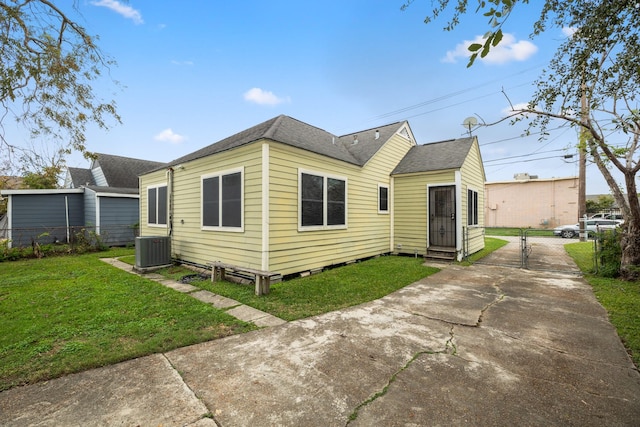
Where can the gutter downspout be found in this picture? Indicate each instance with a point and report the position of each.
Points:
(170, 202)
(66, 214)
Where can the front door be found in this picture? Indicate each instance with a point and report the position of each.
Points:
(442, 216)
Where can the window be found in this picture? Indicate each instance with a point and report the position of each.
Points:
(222, 200)
(472, 207)
(157, 205)
(383, 198)
(323, 201)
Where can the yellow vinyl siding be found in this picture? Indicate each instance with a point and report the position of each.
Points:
(411, 210)
(189, 241)
(473, 178)
(155, 178)
(367, 232)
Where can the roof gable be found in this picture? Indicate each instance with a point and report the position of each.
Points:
(356, 148)
(435, 156)
(122, 172)
(77, 177)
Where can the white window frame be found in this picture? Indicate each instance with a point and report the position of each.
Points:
(380, 211)
(220, 175)
(157, 224)
(325, 177)
(473, 206)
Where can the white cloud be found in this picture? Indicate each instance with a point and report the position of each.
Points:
(169, 135)
(263, 97)
(121, 9)
(507, 50)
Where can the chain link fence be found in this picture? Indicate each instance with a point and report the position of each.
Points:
(110, 235)
(540, 249)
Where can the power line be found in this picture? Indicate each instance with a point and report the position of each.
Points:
(527, 161)
(453, 94)
(524, 155)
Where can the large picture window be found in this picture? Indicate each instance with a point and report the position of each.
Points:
(222, 196)
(323, 201)
(472, 207)
(383, 198)
(157, 205)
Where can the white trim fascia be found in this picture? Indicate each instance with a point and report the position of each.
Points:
(265, 207)
(9, 221)
(121, 195)
(56, 191)
(97, 214)
(392, 214)
(458, 178)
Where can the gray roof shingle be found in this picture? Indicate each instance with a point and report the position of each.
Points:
(435, 156)
(80, 177)
(290, 131)
(123, 172)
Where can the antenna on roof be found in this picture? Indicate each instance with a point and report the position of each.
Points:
(469, 123)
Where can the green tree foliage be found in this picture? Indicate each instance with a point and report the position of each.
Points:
(592, 83)
(48, 67)
(602, 204)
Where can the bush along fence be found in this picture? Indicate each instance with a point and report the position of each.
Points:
(607, 253)
(42, 241)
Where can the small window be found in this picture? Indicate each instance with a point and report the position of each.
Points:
(383, 198)
(157, 205)
(323, 201)
(472, 207)
(222, 205)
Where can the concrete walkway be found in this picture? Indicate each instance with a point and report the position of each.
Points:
(232, 307)
(475, 346)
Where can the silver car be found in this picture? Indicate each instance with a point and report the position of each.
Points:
(592, 226)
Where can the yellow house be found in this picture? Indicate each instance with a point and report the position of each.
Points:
(287, 197)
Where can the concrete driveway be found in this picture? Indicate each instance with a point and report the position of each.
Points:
(481, 346)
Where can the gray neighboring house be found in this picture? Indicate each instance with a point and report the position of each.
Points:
(103, 198)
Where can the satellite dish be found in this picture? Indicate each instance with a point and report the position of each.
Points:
(469, 123)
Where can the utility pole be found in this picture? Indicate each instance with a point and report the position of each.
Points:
(582, 166)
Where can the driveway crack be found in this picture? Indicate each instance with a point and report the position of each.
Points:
(449, 348)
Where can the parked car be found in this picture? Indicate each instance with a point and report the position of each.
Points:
(592, 226)
(606, 216)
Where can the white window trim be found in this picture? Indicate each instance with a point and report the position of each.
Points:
(388, 199)
(220, 174)
(477, 207)
(156, 186)
(325, 176)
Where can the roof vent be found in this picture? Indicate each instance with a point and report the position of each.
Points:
(377, 134)
(355, 140)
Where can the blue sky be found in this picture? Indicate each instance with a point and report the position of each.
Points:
(196, 71)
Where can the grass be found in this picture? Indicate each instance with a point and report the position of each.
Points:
(67, 314)
(490, 244)
(328, 291)
(513, 231)
(621, 299)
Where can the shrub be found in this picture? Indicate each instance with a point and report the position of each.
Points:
(609, 253)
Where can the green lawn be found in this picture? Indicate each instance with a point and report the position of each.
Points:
(324, 292)
(67, 314)
(511, 231)
(620, 299)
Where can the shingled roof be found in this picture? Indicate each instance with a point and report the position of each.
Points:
(435, 156)
(356, 148)
(80, 177)
(123, 172)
